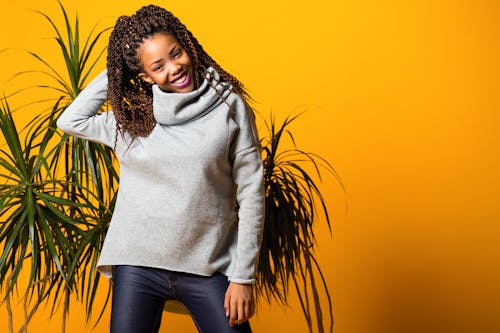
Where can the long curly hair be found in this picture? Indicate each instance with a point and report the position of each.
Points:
(130, 97)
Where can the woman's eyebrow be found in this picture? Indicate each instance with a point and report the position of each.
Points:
(174, 47)
(156, 61)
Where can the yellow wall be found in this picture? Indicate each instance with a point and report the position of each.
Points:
(403, 97)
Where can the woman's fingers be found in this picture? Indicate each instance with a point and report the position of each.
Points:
(226, 302)
(238, 303)
(241, 312)
(233, 312)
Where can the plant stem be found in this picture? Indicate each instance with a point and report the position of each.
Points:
(305, 310)
(65, 312)
(25, 311)
(9, 313)
(9, 308)
(317, 305)
(28, 317)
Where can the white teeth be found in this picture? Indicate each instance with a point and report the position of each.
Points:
(181, 79)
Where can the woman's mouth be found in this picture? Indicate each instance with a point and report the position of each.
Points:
(182, 80)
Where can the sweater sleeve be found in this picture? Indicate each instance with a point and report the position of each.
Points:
(249, 179)
(80, 118)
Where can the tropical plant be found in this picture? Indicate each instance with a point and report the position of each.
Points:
(292, 199)
(58, 193)
(34, 226)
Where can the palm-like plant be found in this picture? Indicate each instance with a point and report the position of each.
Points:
(35, 226)
(292, 197)
(59, 191)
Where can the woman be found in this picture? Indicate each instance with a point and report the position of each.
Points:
(187, 221)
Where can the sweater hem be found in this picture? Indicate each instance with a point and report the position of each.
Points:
(107, 270)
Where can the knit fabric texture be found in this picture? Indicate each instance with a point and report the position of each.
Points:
(180, 186)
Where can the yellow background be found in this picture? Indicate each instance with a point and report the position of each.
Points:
(402, 97)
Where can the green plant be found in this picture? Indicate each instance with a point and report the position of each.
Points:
(292, 197)
(35, 226)
(58, 193)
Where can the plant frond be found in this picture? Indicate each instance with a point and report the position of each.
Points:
(292, 200)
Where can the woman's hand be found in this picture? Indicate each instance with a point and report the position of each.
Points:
(239, 303)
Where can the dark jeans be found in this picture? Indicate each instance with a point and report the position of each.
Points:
(139, 294)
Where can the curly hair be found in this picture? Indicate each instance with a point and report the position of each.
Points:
(130, 97)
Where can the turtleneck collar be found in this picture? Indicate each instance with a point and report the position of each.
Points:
(178, 108)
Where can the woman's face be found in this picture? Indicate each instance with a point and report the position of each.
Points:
(166, 63)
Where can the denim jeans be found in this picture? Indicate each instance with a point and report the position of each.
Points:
(139, 294)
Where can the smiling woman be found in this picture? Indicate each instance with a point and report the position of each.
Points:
(165, 62)
(154, 35)
(169, 96)
(401, 95)
(214, 92)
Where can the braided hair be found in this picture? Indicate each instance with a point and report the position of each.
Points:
(130, 97)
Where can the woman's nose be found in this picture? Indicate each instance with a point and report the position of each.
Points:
(174, 68)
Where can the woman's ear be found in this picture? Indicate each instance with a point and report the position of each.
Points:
(146, 78)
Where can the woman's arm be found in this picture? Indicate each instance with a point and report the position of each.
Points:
(80, 118)
(248, 175)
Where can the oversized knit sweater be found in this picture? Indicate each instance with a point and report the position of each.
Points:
(179, 186)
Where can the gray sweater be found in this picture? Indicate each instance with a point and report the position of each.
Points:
(179, 186)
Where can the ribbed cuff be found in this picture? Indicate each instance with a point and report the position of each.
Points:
(241, 281)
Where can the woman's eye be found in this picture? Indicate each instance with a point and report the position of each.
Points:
(157, 68)
(177, 53)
